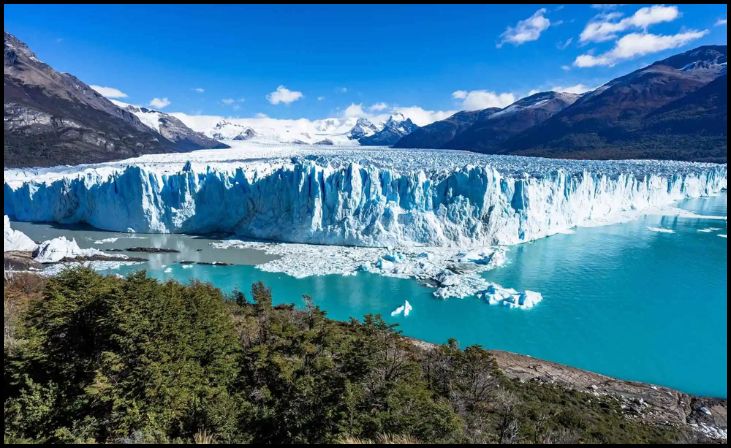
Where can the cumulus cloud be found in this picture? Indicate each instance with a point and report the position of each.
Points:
(109, 92)
(159, 103)
(284, 96)
(721, 22)
(199, 90)
(606, 27)
(378, 107)
(482, 99)
(526, 30)
(354, 110)
(638, 44)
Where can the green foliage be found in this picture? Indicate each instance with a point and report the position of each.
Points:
(103, 359)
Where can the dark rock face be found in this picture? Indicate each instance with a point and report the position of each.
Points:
(645, 114)
(440, 133)
(675, 108)
(488, 133)
(53, 118)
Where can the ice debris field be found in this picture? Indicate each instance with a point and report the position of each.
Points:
(434, 215)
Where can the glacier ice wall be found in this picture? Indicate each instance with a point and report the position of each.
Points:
(311, 201)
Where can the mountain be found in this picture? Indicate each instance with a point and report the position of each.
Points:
(440, 133)
(53, 118)
(363, 128)
(645, 114)
(172, 129)
(489, 132)
(675, 108)
(224, 130)
(396, 127)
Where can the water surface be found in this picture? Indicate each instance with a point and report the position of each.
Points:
(622, 300)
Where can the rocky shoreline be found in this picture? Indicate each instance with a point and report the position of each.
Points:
(705, 416)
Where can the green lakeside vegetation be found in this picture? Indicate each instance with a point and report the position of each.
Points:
(99, 359)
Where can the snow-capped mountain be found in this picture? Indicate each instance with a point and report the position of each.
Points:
(225, 130)
(363, 128)
(171, 128)
(396, 127)
(269, 130)
(54, 118)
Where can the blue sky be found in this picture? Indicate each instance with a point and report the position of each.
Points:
(372, 57)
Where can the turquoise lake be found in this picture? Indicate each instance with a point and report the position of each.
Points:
(622, 300)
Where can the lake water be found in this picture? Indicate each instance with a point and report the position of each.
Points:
(622, 300)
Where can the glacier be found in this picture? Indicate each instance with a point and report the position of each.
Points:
(15, 240)
(354, 197)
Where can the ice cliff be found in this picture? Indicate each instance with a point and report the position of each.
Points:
(15, 239)
(343, 197)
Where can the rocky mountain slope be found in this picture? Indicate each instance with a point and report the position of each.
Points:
(675, 108)
(54, 118)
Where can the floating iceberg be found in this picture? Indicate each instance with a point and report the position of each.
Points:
(497, 295)
(397, 311)
(106, 240)
(58, 249)
(405, 308)
(15, 239)
(355, 197)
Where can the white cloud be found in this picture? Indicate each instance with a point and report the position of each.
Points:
(526, 30)
(342, 90)
(283, 95)
(199, 90)
(320, 98)
(608, 6)
(605, 27)
(354, 110)
(482, 99)
(378, 107)
(565, 68)
(638, 44)
(423, 117)
(109, 92)
(721, 22)
(576, 88)
(159, 103)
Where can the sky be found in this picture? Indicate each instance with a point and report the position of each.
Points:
(300, 61)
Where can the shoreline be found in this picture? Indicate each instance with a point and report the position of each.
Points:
(648, 402)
